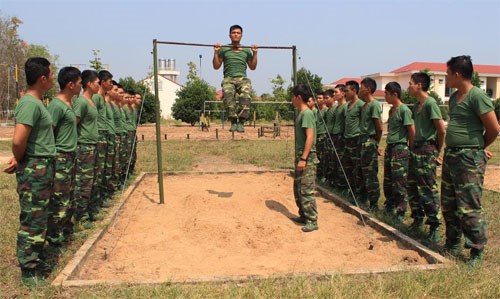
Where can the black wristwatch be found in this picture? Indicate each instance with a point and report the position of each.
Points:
(302, 159)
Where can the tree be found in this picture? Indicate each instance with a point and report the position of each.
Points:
(148, 106)
(279, 94)
(475, 80)
(306, 77)
(191, 97)
(96, 63)
(12, 54)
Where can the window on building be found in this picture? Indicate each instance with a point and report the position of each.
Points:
(441, 81)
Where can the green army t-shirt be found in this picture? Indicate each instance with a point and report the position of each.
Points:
(465, 128)
(397, 129)
(304, 120)
(321, 122)
(128, 125)
(87, 128)
(339, 125)
(353, 119)
(100, 104)
(110, 118)
(64, 122)
(117, 113)
(33, 113)
(424, 125)
(330, 119)
(235, 62)
(372, 110)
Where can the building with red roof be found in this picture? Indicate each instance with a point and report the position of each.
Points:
(489, 76)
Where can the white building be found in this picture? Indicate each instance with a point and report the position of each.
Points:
(167, 86)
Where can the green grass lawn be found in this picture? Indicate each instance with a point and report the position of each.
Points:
(455, 282)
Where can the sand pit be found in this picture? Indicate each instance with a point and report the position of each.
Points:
(229, 226)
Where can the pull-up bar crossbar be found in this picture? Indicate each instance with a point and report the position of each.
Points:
(212, 45)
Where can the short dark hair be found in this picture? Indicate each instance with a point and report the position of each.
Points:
(68, 74)
(88, 76)
(303, 91)
(34, 68)
(370, 84)
(320, 93)
(393, 87)
(104, 75)
(120, 86)
(353, 85)
(235, 27)
(329, 92)
(423, 79)
(114, 82)
(462, 65)
(341, 87)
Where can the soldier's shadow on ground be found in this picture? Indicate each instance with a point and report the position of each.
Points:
(221, 194)
(280, 208)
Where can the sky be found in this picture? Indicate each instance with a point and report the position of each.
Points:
(334, 38)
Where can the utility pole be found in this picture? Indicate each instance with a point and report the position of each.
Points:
(200, 64)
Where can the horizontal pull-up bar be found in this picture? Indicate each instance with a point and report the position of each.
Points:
(212, 45)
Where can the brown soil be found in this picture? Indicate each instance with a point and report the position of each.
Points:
(222, 225)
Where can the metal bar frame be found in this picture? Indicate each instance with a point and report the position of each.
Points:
(157, 98)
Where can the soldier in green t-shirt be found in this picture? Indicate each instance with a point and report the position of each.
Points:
(111, 148)
(34, 149)
(321, 134)
(330, 157)
(368, 186)
(424, 158)
(236, 86)
(352, 133)
(305, 160)
(400, 136)
(86, 117)
(338, 137)
(61, 204)
(99, 188)
(473, 126)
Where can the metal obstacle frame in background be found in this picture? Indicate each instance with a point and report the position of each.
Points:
(157, 99)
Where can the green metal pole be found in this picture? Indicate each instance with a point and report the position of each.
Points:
(158, 138)
(294, 61)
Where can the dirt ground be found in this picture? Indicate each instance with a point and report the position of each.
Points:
(232, 225)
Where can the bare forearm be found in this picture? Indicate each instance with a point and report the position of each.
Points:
(216, 62)
(18, 151)
(411, 135)
(378, 129)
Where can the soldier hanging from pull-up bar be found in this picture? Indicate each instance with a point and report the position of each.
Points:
(235, 85)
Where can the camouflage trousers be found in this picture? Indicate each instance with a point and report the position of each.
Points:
(461, 192)
(396, 163)
(99, 185)
(322, 155)
(134, 150)
(237, 89)
(367, 184)
(304, 189)
(110, 159)
(61, 205)
(423, 195)
(330, 161)
(339, 180)
(85, 159)
(124, 155)
(352, 150)
(116, 161)
(35, 178)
